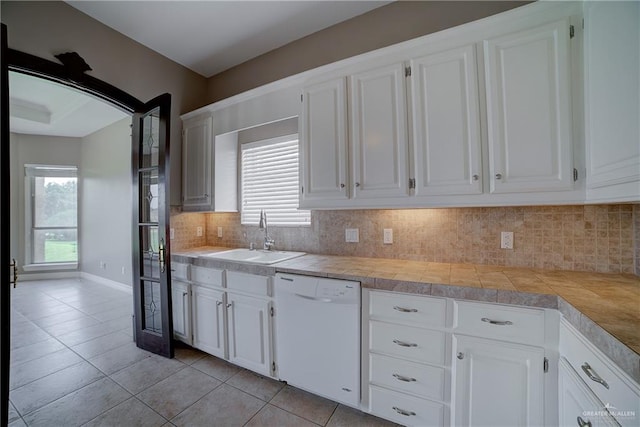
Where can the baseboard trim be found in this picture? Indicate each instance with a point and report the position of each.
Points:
(51, 275)
(107, 282)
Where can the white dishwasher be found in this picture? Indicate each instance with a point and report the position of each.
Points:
(318, 335)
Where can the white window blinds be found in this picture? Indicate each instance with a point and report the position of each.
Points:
(270, 181)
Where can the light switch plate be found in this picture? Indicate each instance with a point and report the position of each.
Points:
(506, 240)
(172, 233)
(387, 236)
(219, 231)
(199, 231)
(352, 235)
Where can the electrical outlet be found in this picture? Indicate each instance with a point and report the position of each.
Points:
(199, 231)
(387, 236)
(219, 231)
(103, 265)
(124, 271)
(506, 240)
(351, 235)
(172, 233)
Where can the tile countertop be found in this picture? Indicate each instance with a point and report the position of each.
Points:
(603, 307)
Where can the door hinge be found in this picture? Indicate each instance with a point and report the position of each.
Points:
(583, 23)
(302, 189)
(575, 174)
(572, 31)
(271, 311)
(273, 368)
(545, 365)
(407, 71)
(301, 97)
(412, 183)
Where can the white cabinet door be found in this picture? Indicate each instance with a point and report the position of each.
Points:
(378, 133)
(529, 110)
(498, 383)
(207, 307)
(324, 142)
(249, 332)
(578, 406)
(197, 163)
(181, 306)
(612, 100)
(446, 123)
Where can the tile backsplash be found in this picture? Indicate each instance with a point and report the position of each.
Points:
(601, 238)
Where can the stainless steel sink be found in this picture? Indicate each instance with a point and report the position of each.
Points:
(255, 256)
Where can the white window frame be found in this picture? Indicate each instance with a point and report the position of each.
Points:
(40, 170)
(301, 218)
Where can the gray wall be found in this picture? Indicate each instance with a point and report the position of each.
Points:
(106, 203)
(47, 150)
(384, 26)
(48, 28)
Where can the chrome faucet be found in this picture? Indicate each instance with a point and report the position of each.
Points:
(268, 241)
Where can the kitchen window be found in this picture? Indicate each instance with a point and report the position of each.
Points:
(51, 215)
(270, 181)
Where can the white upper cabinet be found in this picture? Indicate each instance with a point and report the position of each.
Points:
(197, 163)
(529, 109)
(446, 123)
(378, 130)
(612, 100)
(324, 135)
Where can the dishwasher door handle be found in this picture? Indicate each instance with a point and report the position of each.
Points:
(318, 299)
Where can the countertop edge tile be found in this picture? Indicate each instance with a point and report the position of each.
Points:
(528, 299)
(464, 292)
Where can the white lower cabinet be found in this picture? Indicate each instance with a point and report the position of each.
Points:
(181, 307)
(498, 383)
(207, 306)
(249, 332)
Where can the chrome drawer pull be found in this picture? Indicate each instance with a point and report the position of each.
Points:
(405, 310)
(497, 322)
(403, 378)
(405, 344)
(583, 423)
(404, 412)
(593, 376)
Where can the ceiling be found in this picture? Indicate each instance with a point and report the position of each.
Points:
(211, 36)
(41, 107)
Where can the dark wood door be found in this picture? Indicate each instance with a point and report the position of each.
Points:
(5, 291)
(151, 269)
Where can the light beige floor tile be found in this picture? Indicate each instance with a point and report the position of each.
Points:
(189, 355)
(45, 390)
(80, 406)
(224, 406)
(306, 405)
(130, 413)
(345, 416)
(119, 358)
(13, 413)
(101, 345)
(146, 373)
(216, 367)
(17, 423)
(174, 394)
(35, 351)
(274, 416)
(25, 373)
(256, 385)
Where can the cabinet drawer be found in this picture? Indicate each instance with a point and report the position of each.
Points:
(420, 345)
(250, 283)
(592, 366)
(515, 324)
(406, 410)
(207, 276)
(421, 380)
(410, 309)
(180, 270)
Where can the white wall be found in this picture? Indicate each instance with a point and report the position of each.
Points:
(35, 149)
(106, 203)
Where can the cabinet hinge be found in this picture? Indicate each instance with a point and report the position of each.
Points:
(271, 311)
(407, 71)
(301, 97)
(545, 365)
(412, 183)
(273, 368)
(583, 23)
(302, 189)
(575, 174)
(572, 31)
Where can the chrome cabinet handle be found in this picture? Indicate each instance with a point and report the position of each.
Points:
(583, 423)
(460, 355)
(229, 305)
(403, 378)
(475, 177)
(184, 294)
(497, 322)
(405, 310)
(498, 176)
(206, 195)
(593, 376)
(404, 412)
(357, 184)
(405, 344)
(341, 185)
(218, 303)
